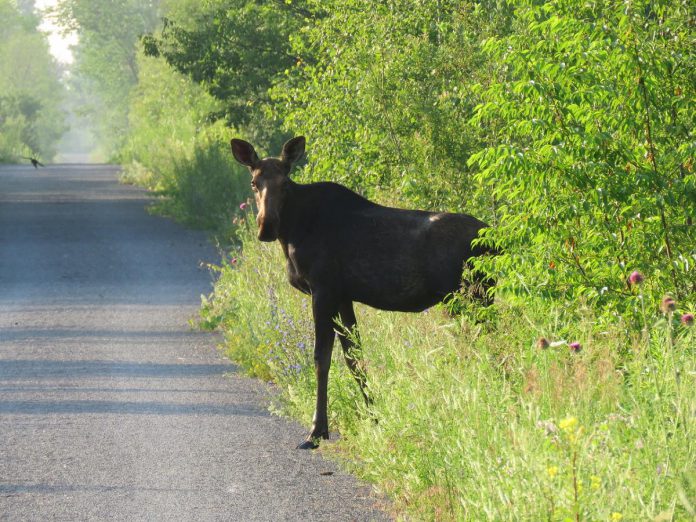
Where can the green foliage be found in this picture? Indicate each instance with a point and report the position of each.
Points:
(31, 121)
(478, 423)
(174, 149)
(207, 188)
(385, 93)
(166, 115)
(235, 49)
(589, 171)
(105, 65)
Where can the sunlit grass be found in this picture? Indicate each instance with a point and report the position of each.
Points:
(200, 190)
(477, 421)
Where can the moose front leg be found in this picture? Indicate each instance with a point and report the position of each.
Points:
(324, 309)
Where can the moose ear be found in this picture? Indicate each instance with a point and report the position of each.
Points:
(293, 150)
(244, 153)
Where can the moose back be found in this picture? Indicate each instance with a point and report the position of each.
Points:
(342, 248)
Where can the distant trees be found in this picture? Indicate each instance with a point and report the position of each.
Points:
(31, 121)
(105, 68)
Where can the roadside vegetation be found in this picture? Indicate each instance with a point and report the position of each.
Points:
(566, 125)
(539, 414)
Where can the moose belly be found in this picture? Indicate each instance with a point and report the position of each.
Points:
(403, 290)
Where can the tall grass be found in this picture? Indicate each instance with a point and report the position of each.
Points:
(479, 422)
(178, 152)
(201, 190)
(206, 187)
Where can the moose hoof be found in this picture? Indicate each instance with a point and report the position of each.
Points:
(312, 441)
(308, 444)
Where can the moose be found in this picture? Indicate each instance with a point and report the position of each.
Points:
(341, 248)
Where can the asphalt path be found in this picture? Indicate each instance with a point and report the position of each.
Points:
(111, 406)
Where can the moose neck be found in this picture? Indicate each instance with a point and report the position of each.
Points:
(295, 213)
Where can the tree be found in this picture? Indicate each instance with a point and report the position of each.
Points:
(105, 58)
(31, 121)
(236, 49)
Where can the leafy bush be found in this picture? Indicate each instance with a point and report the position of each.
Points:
(589, 173)
(255, 49)
(385, 94)
(176, 151)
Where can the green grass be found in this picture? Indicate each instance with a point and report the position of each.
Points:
(475, 421)
(203, 190)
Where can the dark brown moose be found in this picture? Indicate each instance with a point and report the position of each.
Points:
(342, 248)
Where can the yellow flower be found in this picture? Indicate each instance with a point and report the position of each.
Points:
(595, 482)
(616, 516)
(568, 424)
(552, 471)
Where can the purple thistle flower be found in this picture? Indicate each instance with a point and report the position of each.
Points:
(687, 319)
(668, 305)
(243, 205)
(636, 277)
(575, 346)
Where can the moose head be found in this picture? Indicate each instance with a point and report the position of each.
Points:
(269, 181)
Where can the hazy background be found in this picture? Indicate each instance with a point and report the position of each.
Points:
(42, 101)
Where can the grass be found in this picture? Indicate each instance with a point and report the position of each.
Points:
(201, 189)
(476, 421)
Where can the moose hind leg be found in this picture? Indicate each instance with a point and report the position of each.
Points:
(352, 351)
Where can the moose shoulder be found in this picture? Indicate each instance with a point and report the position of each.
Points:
(342, 248)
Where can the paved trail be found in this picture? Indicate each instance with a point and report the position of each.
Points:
(110, 406)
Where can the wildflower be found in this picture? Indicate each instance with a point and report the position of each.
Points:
(595, 482)
(543, 343)
(243, 205)
(687, 319)
(233, 261)
(552, 471)
(615, 516)
(575, 346)
(636, 277)
(668, 305)
(568, 424)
